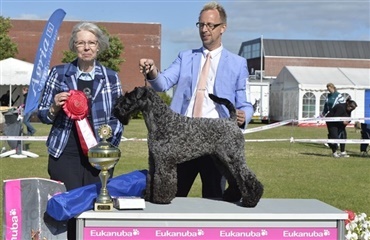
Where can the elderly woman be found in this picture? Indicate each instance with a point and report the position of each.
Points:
(67, 145)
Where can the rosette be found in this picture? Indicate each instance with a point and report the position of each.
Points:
(76, 106)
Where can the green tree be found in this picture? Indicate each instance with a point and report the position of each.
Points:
(109, 58)
(7, 47)
(165, 97)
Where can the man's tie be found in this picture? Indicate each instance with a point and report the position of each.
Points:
(201, 88)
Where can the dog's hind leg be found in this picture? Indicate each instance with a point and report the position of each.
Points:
(251, 188)
(242, 184)
(232, 192)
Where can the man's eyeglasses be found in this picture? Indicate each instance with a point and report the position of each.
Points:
(210, 26)
(91, 44)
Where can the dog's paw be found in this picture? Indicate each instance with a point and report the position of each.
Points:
(232, 194)
(254, 196)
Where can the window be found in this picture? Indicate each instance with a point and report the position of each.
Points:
(252, 51)
(308, 106)
(247, 52)
(256, 50)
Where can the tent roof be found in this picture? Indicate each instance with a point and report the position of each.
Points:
(15, 72)
(309, 77)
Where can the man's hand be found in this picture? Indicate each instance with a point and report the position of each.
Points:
(148, 68)
(240, 117)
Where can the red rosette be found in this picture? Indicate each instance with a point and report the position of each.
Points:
(76, 106)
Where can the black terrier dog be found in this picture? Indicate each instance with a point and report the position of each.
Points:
(174, 139)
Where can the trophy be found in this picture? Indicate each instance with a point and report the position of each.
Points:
(104, 156)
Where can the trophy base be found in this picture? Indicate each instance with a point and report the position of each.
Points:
(103, 206)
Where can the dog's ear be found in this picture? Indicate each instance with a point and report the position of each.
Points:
(117, 103)
(141, 93)
(116, 111)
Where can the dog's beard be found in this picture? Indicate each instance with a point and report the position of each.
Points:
(125, 120)
(121, 115)
(125, 116)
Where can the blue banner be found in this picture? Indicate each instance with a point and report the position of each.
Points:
(42, 60)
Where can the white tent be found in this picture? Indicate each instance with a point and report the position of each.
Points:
(14, 74)
(299, 92)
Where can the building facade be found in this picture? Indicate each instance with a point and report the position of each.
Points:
(269, 61)
(140, 40)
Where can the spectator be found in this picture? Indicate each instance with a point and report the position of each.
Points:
(26, 119)
(337, 130)
(5, 99)
(365, 134)
(333, 98)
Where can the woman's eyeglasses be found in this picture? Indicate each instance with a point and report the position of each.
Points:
(91, 44)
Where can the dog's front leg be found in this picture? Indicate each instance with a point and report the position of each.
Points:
(149, 179)
(164, 182)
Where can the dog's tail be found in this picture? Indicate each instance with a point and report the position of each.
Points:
(227, 103)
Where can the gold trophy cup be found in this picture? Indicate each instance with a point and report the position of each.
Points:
(104, 156)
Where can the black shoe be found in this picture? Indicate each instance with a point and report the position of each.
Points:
(32, 133)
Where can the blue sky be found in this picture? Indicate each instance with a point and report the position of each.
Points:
(247, 20)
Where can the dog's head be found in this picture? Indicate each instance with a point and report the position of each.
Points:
(129, 103)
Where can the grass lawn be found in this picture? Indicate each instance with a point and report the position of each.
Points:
(287, 170)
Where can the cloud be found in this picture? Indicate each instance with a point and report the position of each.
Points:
(288, 19)
(30, 17)
(295, 19)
